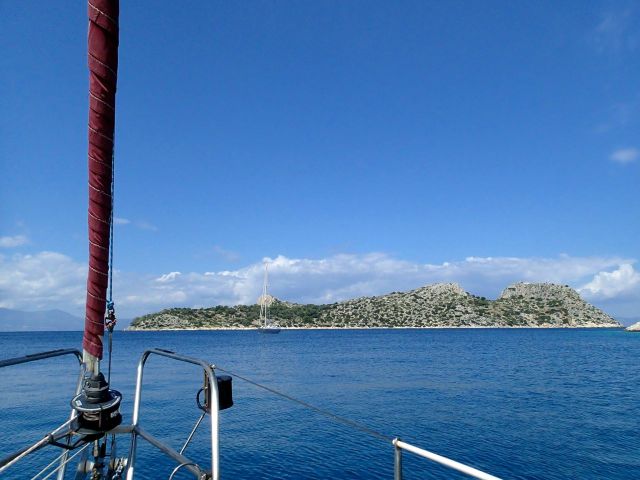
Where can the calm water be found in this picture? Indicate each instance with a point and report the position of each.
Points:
(521, 404)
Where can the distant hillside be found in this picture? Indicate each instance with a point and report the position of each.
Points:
(48, 320)
(438, 305)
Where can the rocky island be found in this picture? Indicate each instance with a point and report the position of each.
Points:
(634, 328)
(441, 305)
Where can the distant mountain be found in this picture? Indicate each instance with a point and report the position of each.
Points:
(46, 320)
(439, 305)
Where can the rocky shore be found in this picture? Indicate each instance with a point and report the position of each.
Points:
(443, 305)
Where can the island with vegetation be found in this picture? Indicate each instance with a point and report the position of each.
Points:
(441, 305)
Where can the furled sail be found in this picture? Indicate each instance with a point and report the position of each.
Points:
(103, 70)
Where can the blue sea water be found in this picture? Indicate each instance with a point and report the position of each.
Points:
(520, 404)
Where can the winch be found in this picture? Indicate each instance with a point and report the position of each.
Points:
(98, 406)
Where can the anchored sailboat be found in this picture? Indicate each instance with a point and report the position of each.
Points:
(267, 325)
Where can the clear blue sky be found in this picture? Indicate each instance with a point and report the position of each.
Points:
(430, 131)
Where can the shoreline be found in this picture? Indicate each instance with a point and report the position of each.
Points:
(451, 327)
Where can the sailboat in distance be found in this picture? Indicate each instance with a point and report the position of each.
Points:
(265, 300)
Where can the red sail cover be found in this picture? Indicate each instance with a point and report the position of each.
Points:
(103, 70)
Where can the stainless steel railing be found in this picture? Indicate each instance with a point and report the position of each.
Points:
(12, 459)
(138, 431)
(399, 446)
(42, 356)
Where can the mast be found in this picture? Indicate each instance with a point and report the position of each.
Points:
(264, 298)
(103, 70)
(266, 295)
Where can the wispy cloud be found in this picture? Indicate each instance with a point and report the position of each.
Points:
(13, 241)
(144, 225)
(141, 224)
(228, 255)
(52, 280)
(617, 31)
(624, 156)
(619, 114)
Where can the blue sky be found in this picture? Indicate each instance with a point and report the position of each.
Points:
(360, 143)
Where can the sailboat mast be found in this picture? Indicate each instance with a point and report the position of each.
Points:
(264, 293)
(103, 39)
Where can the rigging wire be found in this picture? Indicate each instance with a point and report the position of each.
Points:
(41, 472)
(113, 179)
(345, 421)
(59, 466)
(110, 319)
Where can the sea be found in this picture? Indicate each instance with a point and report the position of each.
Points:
(516, 403)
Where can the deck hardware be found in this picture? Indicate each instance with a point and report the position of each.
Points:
(225, 393)
(97, 405)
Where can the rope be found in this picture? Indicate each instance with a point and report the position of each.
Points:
(326, 413)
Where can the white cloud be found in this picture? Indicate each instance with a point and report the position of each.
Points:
(121, 221)
(43, 281)
(168, 277)
(620, 282)
(51, 280)
(624, 156)
(12, 242)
